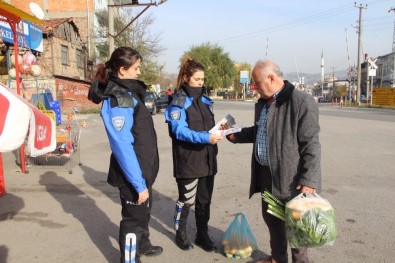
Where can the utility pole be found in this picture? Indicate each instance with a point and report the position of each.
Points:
(359, 50)
(110, 27)
(322, 73)
(393, 36)
(393, 52)
(367, 66)
(111, 6)
(333, 81)
(267, 45)
(349, 72)
(88, 24)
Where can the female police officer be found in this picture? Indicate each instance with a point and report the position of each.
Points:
(134, 161)
(190, 116)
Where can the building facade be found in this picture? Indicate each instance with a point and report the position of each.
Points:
(82, 12)
(385, 76)
(66, 67)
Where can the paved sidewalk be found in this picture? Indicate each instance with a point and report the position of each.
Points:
(52, 216)
(49, 215)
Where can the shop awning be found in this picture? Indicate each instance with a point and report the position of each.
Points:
(16, 14)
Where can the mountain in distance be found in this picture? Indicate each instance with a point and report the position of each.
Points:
(312, 78)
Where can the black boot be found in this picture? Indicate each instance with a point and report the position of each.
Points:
(180, 223)
(204, 241)
(182, 240)
(202, 216)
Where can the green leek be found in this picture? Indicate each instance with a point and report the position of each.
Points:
(275, 206)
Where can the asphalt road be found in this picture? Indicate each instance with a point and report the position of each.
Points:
(50, 215)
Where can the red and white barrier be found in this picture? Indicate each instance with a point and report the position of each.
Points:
(18, 119)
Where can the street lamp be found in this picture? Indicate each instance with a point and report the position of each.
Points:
(121, 3)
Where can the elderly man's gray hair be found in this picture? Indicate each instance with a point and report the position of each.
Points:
(269, 66)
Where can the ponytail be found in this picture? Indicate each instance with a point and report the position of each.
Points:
(101, 74)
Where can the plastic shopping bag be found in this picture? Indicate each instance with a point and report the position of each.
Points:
(238, 240)
(310, 221)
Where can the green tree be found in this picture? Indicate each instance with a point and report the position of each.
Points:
(137, 35)
(340, 90)
(218, 65)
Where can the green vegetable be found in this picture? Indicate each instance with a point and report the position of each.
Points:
(309, 221)
(313, 226)
(275, 206)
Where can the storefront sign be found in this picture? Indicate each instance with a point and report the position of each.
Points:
(29, 35)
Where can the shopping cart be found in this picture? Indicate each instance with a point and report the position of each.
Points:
(68, 146)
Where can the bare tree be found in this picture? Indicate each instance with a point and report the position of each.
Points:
(137, 35)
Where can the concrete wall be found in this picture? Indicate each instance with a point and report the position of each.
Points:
(73, 94)
(70, 93)
(80, 10)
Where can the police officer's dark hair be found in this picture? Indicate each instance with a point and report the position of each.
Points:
(121, 57)
(188, 67)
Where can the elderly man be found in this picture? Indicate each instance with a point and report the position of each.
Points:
(286, 155)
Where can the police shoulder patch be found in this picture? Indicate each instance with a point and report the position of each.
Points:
(118, 122)
(175, 114)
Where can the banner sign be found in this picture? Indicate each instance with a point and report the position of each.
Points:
(244, 76)
(17, 117)
(14, 120)
(29, 35)
(41, 134)
(35, 38)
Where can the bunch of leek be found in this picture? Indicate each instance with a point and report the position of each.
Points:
(275, 206)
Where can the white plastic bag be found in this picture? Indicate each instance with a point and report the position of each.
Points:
(310, 221)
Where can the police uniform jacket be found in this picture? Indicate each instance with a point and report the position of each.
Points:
(130, 129)
(292, 142)
(190, 116)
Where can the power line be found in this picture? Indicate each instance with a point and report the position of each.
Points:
(290, 24)
(297, 22)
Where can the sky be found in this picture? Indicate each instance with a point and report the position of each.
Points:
(293, 33)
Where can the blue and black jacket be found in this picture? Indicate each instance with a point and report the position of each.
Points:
(190, 116)
(131, 133)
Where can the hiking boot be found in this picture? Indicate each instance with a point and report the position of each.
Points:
(182, 240)
(203, 240)
(152, 251)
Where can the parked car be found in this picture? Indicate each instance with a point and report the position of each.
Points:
(162, 101)
(322, 99)
(150, 99)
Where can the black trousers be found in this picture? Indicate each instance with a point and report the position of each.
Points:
(135, 219)
(197, 191)
(278, 237)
